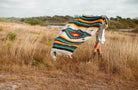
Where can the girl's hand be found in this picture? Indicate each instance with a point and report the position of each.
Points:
(106, 21)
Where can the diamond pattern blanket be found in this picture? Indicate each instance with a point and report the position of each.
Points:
(74, 33)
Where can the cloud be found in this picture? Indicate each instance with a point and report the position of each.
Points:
(132, 1)
(17, 4)
(24, 8)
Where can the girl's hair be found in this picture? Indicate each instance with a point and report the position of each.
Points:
(106, 19)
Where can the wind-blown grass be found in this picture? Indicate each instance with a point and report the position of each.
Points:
(120, 52)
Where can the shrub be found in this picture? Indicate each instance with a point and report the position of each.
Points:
(135, 30)
(1, 29)
(48, 64)
(35, 63)
(11, 36)
(9, 44)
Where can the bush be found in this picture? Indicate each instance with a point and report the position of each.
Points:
(35, 63)
(11, 36)
(9, 44)
(1, 29)
(136, 30)
(48, 64)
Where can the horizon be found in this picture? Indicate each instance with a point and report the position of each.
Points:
(63, 16)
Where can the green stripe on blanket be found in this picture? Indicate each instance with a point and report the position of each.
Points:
(65, 41)
(85, 24)
(92, 18)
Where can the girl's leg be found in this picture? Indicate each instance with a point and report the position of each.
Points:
(97, 47)
(99, 52)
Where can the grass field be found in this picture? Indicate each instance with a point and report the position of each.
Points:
(25, 61)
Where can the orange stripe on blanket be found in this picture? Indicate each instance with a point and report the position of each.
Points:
(89, 22)
(82, 27)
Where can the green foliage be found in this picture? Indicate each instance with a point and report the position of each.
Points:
(36, 63)
(4, 20)
(33, 21)
(39, 61)
(114, 23)
(11, 36)
(48, 64)
(9, 44)
(136, 30)
(1, 29)
(46, 19)
(122, 23)
(135, 20)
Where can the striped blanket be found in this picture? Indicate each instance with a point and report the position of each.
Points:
(75, 33)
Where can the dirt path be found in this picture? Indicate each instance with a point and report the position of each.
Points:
(56, 80)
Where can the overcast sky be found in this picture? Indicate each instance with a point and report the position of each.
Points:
(31, 8)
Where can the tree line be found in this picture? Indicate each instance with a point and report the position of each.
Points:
(114, 22)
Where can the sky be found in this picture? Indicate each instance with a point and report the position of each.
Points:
(34, 8)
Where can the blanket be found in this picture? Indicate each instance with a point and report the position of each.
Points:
(75, 33)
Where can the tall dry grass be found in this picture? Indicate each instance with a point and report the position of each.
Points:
(33, 44)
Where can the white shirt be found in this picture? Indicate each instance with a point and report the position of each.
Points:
(100, 33)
